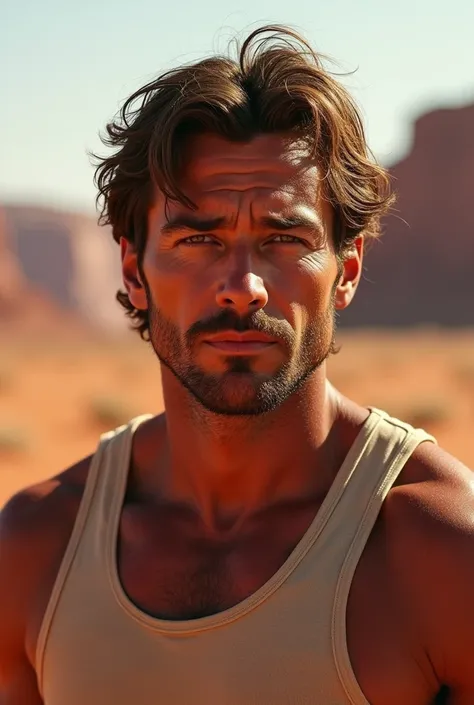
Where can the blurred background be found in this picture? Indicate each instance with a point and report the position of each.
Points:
(69, 368)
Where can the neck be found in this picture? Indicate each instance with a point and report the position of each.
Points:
(228, 468)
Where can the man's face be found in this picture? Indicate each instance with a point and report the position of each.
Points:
(242, 291)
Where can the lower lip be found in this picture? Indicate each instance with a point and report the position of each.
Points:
(233, 347)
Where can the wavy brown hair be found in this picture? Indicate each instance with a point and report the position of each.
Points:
(277, 83)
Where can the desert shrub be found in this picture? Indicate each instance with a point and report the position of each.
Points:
(427, 413)
(464, 373)
(6, 377)
(13, 439)
(109, 411)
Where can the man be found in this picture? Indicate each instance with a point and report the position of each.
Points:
(265, 540)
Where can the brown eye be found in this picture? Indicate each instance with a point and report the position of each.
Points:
(197, 240)
(287, 239)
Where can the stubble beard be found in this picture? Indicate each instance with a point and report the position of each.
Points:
(240, 391)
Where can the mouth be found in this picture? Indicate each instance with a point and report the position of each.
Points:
(247, 343)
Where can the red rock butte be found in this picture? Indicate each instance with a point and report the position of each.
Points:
(419, 272)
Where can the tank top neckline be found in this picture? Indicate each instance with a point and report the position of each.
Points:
(335, 492)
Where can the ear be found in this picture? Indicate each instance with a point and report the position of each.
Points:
(350, 275)
(131, 275)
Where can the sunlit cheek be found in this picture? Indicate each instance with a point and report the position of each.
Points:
(300, 320)
(318, 271)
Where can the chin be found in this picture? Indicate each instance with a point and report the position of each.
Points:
(240, 391)
(242, 394)
(235, 394)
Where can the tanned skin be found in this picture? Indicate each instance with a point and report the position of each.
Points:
(410, 622)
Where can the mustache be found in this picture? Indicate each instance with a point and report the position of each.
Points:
(227, 320)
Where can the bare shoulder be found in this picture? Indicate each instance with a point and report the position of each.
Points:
(35, 527)
(429, 531)
(432, 503)
(41, 507)
(434, 489)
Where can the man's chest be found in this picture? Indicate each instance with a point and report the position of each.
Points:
(174, 571)
(173, 574)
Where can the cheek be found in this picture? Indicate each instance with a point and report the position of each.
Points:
(315, 282)
(173, 287)
(304, 293)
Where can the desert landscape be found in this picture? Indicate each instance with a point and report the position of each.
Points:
(58, 395)
(69, 370)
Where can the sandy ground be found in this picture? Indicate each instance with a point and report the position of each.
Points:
(57, 396)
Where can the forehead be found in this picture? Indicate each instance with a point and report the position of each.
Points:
(269, 173)
(272, 163)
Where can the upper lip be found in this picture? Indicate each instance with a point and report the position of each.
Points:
(232, 336)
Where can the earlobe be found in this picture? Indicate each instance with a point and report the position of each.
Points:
(344, 295)
(131, 275)
(350, 275)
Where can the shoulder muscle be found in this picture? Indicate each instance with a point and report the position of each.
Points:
(35, 526)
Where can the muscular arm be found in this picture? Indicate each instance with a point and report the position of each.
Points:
(17, 677)
(35, 527)
(433, 546)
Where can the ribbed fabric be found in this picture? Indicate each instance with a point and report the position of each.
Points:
(283, 645)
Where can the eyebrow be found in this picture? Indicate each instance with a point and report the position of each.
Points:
(290, 222)
(186, 222)
(272, 222)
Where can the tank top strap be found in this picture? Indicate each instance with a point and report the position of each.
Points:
(103, 491)
(385, 455)
(115, 455)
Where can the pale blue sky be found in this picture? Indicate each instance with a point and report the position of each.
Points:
(66, 67)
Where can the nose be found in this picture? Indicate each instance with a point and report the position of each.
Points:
(242, 291)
